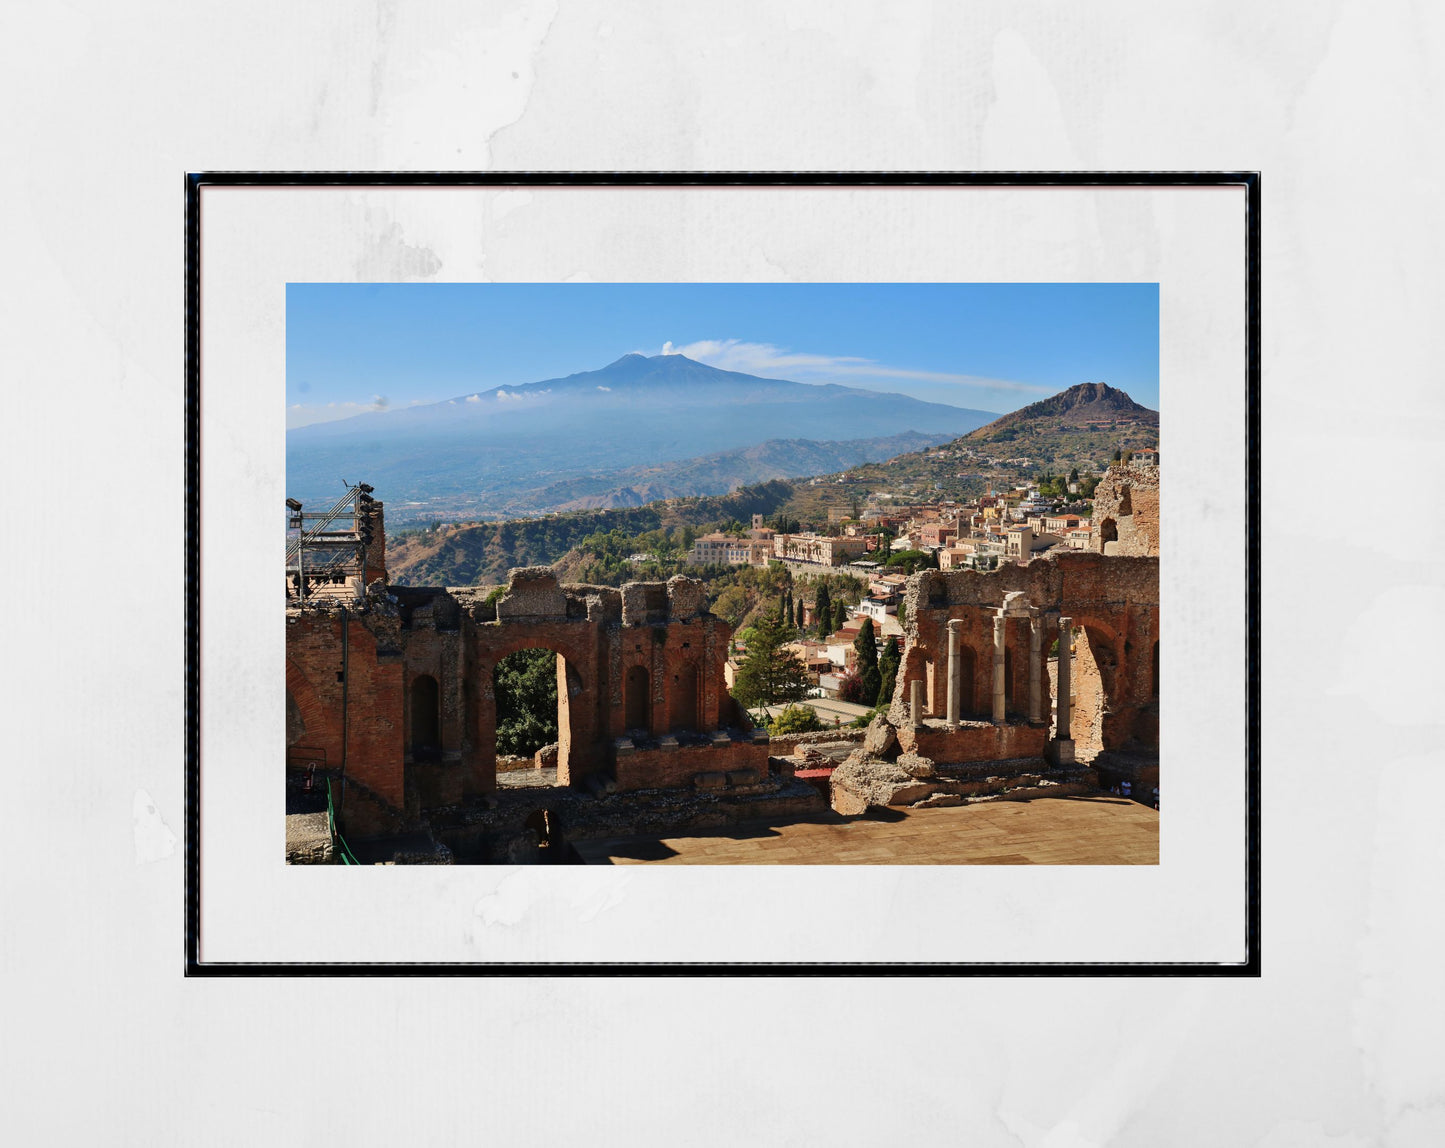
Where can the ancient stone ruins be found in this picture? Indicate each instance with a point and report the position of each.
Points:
(1023, 681)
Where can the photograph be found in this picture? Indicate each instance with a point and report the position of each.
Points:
(722, 573)
(752, 556)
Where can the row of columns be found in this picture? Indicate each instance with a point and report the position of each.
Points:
(1037, 624)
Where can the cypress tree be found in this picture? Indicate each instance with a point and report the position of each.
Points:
(788, 607)
(840, 615)
(823, 611)
(865, 646)
(888, 665)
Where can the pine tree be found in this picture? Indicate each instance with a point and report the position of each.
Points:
(823, 611)
(865, 646)
(770, 674)
(888, 665)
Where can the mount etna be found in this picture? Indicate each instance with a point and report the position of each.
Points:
(640, 428)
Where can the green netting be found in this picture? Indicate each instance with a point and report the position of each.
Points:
(347, 857)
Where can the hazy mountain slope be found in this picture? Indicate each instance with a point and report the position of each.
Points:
(468, 454)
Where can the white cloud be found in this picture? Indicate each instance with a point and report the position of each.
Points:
(304, 414)
(521, 397)
(474, 398)
(769, 360)
(601, 388)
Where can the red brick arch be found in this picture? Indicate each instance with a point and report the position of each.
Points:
(320, 725)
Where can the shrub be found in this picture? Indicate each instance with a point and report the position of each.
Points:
(796, 719)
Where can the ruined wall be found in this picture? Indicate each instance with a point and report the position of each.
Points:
(409, 643)
(1115, 598)
(374, 559)
(974, 741)
(1126, 512)
(369, 692)
(667, 768)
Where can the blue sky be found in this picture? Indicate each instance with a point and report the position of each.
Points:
(357, 347)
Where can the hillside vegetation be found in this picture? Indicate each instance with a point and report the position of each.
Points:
(482, 553)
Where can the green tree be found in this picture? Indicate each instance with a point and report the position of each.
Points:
(888, 664)
(770, 674)
(798, 614)
(840, 616)
(1074, 475)
(526, 693)
(731, 604)
(1118, 455)
(796, 719)
(788, 612)
(823, 610)
(865, 646)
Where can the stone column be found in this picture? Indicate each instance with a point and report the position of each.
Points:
(915, 703)
(1036, 669)
(1066, 659)
(999, 624)
(955, 670)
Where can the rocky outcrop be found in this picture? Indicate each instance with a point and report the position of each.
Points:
(881, 740)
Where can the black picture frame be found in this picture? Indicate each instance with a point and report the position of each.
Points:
(196, 182)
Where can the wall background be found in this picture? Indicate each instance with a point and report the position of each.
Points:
(1340, 1043)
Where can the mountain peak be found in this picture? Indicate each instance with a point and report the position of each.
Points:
(1080, 406)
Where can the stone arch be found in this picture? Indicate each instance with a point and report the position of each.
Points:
(968, 681)
(637, 699)
(1108, 532)
(684, 699)
(917, 666)
(576, 703)
(295, 723)
(315, 721)
(424, 725)
(1095, 684)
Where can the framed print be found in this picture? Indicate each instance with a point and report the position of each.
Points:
(723, 573)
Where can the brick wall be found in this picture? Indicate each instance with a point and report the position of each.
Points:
(975, 741)
(668, 768)
(370, 694)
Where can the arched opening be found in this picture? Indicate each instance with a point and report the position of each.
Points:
(1108, 531)
(637, 700)
(967, 696)
(295, 723)
(426, 738)
(1094, 678)
(533, 689)
(684, 709)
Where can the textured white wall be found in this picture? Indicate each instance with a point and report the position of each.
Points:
(107, 105)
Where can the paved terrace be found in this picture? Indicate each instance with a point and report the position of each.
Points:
(1092, 830)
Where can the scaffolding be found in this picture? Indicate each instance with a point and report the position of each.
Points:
(326, 551)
